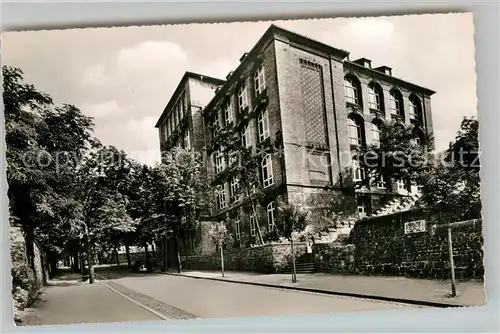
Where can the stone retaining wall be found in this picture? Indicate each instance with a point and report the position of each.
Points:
(381, 247)
(267, 259)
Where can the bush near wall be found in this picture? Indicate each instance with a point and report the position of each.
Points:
(266, 259)
(26, 283)
(379, 246)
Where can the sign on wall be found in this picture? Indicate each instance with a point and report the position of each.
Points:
(415, 226)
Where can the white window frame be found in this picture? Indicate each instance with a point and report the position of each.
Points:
(228, 112)
(380, 183)
(271, 209)
(234, 187)
(357, 172)
(350, 86)
(414, 109)
(267, 170)
(221, 196)
(355, 132)
(245, 136)
(242, 97)
(374, 98)
(220, 162)
(401, 185)
(260, 79)
(237, 230)
(253, 225)
(263, 125)
(395, 104)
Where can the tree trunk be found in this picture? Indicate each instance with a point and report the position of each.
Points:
(153, 248)
(165, 252)
(76, 264)
(52, 264)
(148, 266)
(30, 248)
(91, 265)
(254, 212)
(179, 265)
(117, 257)
(129, 260)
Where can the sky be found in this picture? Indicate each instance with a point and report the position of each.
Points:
(124, 76)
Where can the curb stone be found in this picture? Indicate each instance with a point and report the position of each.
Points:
(329, 292)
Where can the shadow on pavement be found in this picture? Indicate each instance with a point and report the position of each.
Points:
(111, 273)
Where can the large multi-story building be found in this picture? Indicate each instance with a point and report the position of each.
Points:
(304, 109)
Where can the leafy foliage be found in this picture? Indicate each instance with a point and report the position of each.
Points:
(451, 188)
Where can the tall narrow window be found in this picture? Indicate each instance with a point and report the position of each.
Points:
(396, 104)
(220, 162)
(267, 171)
(355, 130)
(415, 112)
(242, 98)
(401, 185)
(375, 97)
(271, 208)
(181, 108)
(221, 196)
(245, 136)
(376, 133)
(351, 91)
(237, 231)
(259, 80)
(235, 184)
(253, 225)
(263, 123)
(228, 112)
(357, 171)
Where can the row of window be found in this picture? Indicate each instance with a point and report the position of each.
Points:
(179, 110)
(353, 95)
(226, 116)
(267, 181)
(271, 222)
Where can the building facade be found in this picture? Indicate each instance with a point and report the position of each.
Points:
(300, 109)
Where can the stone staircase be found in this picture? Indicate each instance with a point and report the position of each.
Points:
(303, 265)
(334, 233)
(397, 205)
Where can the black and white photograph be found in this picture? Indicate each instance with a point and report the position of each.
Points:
(181, 172)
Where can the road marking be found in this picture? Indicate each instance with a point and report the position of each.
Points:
(159, 315)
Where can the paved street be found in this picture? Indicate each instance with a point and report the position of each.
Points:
(213, 299)
(157, 297)
(73, 302)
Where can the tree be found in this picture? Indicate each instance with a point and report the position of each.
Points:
(104, 212)
(186, 192)
(329, 210)
(292, 221)
(451, 188)
(401, 154)
(219, 236)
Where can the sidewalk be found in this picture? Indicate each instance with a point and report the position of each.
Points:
(68, 300)
(417, 291)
